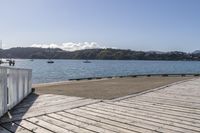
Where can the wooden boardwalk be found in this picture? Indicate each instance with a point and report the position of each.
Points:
(172, 109)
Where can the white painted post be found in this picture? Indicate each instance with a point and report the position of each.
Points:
(18, 85)
(3, 91)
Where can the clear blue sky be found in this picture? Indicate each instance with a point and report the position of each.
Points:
(129, 24)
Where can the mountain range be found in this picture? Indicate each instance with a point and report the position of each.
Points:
(99, 54)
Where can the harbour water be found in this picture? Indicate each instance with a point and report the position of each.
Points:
(63, 70)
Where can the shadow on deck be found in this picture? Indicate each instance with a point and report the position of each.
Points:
(17, 113)
(35, 105)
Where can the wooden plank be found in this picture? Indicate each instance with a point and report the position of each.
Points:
(176, 96)
(183, 91)
(167, 114)
(40, 99)
(32, 127)
(164, 106)
(133, 127)
(64, 125)
(136, 111)
(171, 127)
(47, 110)
(185, 112)
(90, 121)
(145, 117)
(47, 103)
(181, 114)
(48, 126)
(177, 103)
(35, 99)
(12, 127)
(176, 99)
(192, 91)
(34, 96)
(79, 123)
(3, 130)
(44, 105)
(118, 125)
(56, 107)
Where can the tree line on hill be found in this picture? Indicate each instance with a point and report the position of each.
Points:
(99, 54)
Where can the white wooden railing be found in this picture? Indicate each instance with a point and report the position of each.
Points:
(15, 85)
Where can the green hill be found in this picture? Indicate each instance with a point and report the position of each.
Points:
(99, 54)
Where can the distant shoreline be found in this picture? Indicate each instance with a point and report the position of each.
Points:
(97, 54)
(100, 59)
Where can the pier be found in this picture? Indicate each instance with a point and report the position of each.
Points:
(173, 108)
(8, 61)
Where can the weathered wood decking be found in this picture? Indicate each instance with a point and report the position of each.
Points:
(171, 109)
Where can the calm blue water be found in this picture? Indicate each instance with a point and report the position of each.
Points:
(71, 69)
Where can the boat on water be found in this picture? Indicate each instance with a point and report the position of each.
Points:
(86, 61)
(50, 61)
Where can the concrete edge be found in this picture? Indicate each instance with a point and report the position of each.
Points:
(106, 78)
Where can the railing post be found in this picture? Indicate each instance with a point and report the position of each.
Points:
(3, 91)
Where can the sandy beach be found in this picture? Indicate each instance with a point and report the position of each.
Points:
(106, 88)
